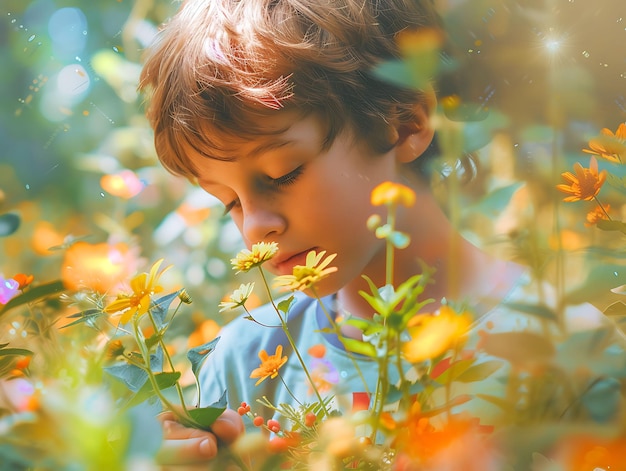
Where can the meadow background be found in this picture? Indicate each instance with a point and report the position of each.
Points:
(531, 81)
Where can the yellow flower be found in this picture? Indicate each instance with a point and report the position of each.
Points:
(585, 185)
(392, 193)
(597, 214)
(433, 334)
(238, 297)
(270, 364)
(248, 259)
(609, 146)
(304, 277)
(143, 286)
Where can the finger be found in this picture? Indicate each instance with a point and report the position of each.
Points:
(228, 426)
(173, 430)
(188, 451)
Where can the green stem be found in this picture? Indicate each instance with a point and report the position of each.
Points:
(337, 331)
(183, 419)
(167, 356)
(403, 383)
(382, 387)
(288, 389)
(602, 208)
(391, 222)
(292, 343)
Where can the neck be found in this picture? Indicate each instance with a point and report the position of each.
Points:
(461, 270)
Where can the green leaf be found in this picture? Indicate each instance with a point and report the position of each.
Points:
(33, 294)
(359, 346)
(9, 223)
(479, 372)
(396, 72)
(153, 340)
(88, 316)
(205, 416)
(496, 201)
(364, 325)
(285, 304)
(537, 310)
(616, 182)
(452, 372)
(160, 308)
(131, 375)
(606, 225)
(618, 308)
(163, 380)
(601, 278)
(505, 405)
(15, 351)
(197, 355)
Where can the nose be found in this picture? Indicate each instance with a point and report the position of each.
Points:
(260, 221)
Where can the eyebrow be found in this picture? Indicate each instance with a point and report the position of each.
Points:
(268, 146)
(256, 153)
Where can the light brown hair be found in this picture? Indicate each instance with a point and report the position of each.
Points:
(219, 66)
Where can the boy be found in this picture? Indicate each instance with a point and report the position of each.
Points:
(272, 106)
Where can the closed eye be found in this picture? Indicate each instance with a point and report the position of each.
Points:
(280, 182)
(288, 178)
(228, 207)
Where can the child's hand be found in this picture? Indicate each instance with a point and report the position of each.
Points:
(185, 447)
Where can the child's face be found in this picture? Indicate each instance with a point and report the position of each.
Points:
(284, 188)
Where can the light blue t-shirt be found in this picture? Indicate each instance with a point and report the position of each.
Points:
(593, 345)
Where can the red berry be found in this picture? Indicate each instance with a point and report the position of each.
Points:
(258, 421)
(309, 419)
(273, 425)
(243, 409)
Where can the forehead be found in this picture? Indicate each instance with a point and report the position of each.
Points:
(282, 130)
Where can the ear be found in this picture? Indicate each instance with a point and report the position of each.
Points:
(415, 137)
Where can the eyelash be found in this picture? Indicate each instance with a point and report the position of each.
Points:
(280, 182)
(288, 179)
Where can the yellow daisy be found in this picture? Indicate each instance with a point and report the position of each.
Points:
(256, 256)
(303, 277)
(143, 286)
(238, 297)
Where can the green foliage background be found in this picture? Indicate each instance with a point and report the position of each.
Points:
(547, 102)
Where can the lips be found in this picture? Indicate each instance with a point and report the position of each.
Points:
(284, 264)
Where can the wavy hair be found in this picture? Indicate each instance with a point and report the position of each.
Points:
(219, 66)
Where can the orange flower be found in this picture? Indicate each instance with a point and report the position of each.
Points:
(587, 452)
(433, 334)
(100, 267)
(45, 236)
(597, 214)
(124, 184)
(585, 185)
(392, 193)
(144, 286)
(23, 280)
(460, 439)
(270, 364)
(609, 146)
